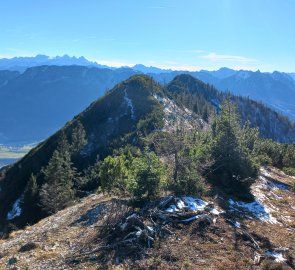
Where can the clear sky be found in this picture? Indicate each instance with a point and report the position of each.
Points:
(177, 34)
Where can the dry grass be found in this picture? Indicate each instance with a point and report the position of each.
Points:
(46, 255)
(61, 239)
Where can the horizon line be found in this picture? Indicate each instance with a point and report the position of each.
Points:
(122, 64)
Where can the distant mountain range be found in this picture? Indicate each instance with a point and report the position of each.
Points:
(22, 63)
(276, 89)
(40, 94)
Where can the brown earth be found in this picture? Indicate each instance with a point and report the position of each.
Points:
(74, 238)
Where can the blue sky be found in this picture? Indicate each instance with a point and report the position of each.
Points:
(183, 34)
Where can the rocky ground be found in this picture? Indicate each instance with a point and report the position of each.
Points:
(173, 233)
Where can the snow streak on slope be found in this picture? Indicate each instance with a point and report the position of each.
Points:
(129, 103)
(176, 116)
(16, 211)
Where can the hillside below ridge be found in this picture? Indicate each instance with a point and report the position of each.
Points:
(241, 237)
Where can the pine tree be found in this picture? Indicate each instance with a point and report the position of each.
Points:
(234, 168)
(91, 178)
(250, 137)
(29, 203)
(57, 192)
(78, 140)
(270, 151)
(63, 143)
(31, 191)
(289, 156)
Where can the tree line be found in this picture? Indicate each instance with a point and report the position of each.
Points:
(182, 162)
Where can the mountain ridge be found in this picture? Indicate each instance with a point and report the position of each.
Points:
(22, 63)
(276, 89)
(45, 97)
(131, 109)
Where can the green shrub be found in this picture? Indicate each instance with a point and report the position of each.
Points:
(114, 175)
(289, 171)
(150, 175)
(188, 182)
(141, 176)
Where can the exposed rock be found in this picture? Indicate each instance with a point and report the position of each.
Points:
(28, 247)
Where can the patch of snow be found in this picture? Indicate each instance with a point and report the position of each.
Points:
(125, 224)
(264, 190)
(231, 202)
(129, 103)
(256, 209)
(264, 172)
(268, 184)
(277, 197)
(237, 224)
(190, 219)
(215, 212)
(189, 203)
(138, 233)
(180, 204)
(278, 256)
(194, 204)
(279, 186)
(150, 228)
(16, 211)
(172, 208)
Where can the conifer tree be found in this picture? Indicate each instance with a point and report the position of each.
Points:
(78, 140)
(63, 143)
(250, 137)
(234, 168)
(91, 178)
(57, 192)
(32, 189)
(29, 203)
(289, 156)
